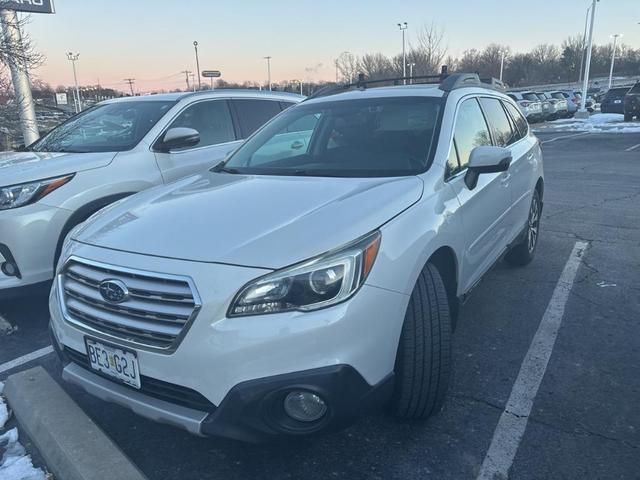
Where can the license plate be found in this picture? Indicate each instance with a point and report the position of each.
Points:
(119, 364)
(617, 101)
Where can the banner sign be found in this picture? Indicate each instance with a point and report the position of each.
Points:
(32, 6)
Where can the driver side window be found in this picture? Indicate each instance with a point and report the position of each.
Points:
(211, 119)
(471, 131)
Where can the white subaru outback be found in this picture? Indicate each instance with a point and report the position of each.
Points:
(314, 274)
(108, 152)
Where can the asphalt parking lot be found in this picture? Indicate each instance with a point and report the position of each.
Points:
(585, 420)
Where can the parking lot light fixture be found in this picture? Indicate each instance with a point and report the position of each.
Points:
(195, 46)
(268, 59)
(403, 28)
(73, 58)
(613, 55)
(411, 65)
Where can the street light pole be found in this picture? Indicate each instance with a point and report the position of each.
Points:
(19, 77)
(585, 83)
(613, 56)
(73, 57)
(501, 65)
(268, 59)
(584, 41)
(411, 65)
(403, 27)
(195, 46)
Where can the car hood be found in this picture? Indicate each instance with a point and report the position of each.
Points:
(258, 221)
(21, 167)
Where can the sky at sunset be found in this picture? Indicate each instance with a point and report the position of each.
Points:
(152, 41)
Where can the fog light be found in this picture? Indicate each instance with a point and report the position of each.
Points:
(9, 269)
(304, 406)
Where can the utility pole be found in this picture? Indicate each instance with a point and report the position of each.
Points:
(130, 81)
(582, 113)
(268, 59)
(195, 46)
(502, 64)
(186, 77)
(613, 56)
(411, 65)
(403, 28)
(19, 77)
(73, 58)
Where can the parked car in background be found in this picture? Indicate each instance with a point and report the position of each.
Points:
(314, 275)
(613, 101)
(589, 103)
(554, 107)
(573, 101)
(632, 103)
(109, 152)
(532, 110)
(562, 104)
(544, 103)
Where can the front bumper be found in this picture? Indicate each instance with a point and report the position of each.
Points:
(29, 235)
(219, 356)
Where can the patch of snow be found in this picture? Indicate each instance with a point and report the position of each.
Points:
(15, 464)
(596, 123)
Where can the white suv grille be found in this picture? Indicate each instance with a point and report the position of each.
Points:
(155, 313)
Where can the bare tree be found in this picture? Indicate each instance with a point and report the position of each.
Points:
(376, 66)
(348, 66)
(430, 50)
(25, 56)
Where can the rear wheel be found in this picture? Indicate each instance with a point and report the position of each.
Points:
(628, 117)
(423, 361)
(523, 252)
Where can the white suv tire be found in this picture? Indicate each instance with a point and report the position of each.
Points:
(423, 361)
(523, 252)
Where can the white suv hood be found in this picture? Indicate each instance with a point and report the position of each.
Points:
(258, 221)
(22, 167)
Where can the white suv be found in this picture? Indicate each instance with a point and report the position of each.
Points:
(314, 274)
(106, 153)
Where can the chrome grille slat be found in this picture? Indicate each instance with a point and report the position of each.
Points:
(156, 314)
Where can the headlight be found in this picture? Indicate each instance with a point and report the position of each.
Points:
(317, 283)
(19, 195)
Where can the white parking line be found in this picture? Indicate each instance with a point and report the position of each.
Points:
(630, 149)
(29, 357)
(513, 421)
(562, 137)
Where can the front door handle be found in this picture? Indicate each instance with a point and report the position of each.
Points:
(297, 145)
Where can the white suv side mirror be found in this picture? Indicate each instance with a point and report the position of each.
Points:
(178, 137)
(486, 159)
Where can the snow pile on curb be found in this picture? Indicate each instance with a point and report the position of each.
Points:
(596, 123)
(15, 464)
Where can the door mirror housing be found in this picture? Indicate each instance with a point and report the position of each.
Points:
(178, 137)
(486, 159)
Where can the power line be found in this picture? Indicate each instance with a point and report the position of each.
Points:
(130, 81)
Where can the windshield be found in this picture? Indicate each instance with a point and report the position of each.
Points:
(531, 97)
(617, 92)
(111, 127)
(379, 137)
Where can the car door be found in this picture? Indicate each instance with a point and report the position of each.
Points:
(484, 209)
(212, 119)
(525, 152)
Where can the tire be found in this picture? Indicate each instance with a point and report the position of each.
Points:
(423, 361)
(522, 253)
(628, 117)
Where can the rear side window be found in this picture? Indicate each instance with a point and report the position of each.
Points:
(521, 123)
(497, 118)
(471, 131)
(558, 95)
(211, 119)
(285, 105)
(252, 114)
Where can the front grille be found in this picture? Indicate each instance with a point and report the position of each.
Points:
(168, 392)
(155, 315)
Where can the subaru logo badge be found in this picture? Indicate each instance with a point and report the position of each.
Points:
(114, 291)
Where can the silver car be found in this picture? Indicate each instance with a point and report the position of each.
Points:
(532, 110)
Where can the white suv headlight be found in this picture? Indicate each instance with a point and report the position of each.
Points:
(317, 283)
(19, 195)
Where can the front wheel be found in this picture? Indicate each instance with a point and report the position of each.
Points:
(423, 361)
(522, 253)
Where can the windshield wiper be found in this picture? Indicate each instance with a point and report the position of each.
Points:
(220, 167)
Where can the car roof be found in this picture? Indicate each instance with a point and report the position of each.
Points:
(220, 93)
(419, 90)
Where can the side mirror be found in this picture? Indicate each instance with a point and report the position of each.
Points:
(178, 137)
(486, 159)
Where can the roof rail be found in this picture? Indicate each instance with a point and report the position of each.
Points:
(444, 80)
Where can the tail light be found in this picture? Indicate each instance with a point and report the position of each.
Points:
(525, 103)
